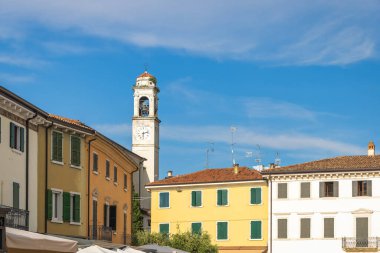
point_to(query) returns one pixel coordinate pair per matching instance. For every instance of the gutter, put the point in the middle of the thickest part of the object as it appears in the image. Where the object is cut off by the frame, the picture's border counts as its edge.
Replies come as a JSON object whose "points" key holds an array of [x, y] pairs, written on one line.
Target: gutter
{"points": [[46, 173], [88, 188], [27, 163]]}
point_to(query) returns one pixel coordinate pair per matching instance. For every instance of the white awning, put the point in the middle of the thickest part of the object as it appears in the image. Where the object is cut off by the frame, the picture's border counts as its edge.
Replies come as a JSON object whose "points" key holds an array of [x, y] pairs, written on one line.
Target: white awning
{"points": [[20, 239], [95, 249]]}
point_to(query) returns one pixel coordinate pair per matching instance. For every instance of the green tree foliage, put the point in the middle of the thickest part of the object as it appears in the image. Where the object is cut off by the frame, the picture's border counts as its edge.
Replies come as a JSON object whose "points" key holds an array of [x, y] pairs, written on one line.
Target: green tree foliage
{"points": [[137, 218], [200, 243]]}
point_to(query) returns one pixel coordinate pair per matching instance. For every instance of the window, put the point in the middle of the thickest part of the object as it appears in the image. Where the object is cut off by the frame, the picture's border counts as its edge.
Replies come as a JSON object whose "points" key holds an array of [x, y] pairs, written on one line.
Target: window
{"points": [[125, 181], [107, 169], [256, 230], [115, 174], [329, 227], [328, 189], [196, 198], [222, 230], [75, 208], [305, 190], [282, 191], [282, 228], [57, 142], [255, 196], [222, 196], [55, 205], [196, 228], [164, 228], [112, 219], [16, 195], [164, 199], [305, 228], [95, 162], [361, 188], [144, 107], [16, 137], [75, 151]]}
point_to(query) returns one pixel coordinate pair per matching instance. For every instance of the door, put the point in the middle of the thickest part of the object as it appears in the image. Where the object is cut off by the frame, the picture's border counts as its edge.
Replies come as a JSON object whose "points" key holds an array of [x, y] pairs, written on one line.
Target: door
{"points": [[362, 232], [95, 219]]}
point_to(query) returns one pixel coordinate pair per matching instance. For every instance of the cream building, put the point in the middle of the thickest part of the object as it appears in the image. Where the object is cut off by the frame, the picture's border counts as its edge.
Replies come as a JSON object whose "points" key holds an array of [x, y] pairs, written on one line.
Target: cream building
{"points": [[19, 123]]}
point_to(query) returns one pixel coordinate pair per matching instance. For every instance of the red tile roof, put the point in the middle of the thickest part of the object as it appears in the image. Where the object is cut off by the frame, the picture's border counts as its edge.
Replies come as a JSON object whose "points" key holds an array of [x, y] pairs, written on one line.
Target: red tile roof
{"points": [[145, 74], [336, 164], [211, 176], [73, 122]]}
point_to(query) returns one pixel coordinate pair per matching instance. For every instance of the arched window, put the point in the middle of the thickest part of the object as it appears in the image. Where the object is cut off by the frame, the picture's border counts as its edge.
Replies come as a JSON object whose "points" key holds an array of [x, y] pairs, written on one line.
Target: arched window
{"points": [[144, 107]]}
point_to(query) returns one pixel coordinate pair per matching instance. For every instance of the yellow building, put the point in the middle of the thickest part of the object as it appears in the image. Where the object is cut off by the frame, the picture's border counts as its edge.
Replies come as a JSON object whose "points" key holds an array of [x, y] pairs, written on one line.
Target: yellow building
{"points": [[230, 204], [62, 177], [111, 169]]}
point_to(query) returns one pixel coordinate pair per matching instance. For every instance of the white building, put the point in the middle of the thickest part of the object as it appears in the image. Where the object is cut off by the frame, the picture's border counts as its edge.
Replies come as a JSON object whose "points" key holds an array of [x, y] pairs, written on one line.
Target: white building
{"points": [[19, 122], [330, 205], [145, 138]]}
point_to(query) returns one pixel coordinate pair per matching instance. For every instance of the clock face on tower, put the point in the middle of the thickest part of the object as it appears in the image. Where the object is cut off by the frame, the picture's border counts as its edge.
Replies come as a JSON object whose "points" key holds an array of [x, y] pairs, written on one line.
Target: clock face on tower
{"points": [[142, 133]]}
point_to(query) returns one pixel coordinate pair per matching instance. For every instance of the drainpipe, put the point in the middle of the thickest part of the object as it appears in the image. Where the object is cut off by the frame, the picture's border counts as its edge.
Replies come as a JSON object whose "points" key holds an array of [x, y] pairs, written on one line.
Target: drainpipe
{"points": [[46, 172], [27, 163], [270, 213], [88, 189]]}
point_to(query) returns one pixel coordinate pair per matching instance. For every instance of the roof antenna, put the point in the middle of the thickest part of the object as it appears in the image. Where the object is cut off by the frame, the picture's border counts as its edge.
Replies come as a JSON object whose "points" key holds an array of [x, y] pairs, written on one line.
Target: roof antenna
{"points": [[277, 161], [258, 157], [233, 130], [210, 148], [146, 67]]}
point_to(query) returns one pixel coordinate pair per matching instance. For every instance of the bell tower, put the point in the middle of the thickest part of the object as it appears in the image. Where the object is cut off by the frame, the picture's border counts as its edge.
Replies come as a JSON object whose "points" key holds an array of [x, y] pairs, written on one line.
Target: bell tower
{"points": [[145, 134]]}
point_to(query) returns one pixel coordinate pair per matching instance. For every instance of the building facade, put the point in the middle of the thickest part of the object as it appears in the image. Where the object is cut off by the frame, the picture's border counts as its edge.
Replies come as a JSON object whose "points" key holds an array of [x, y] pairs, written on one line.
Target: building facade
{"points": [[19, 124], [229, 204], [330, 205], [145, 137], [111, 169], [62, 178]]}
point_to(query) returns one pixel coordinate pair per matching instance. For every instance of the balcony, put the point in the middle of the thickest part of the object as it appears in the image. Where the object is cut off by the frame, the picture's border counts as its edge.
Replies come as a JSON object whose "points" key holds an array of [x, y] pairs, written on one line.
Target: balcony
{"points": [[15, 218], [352, 244], [101, 232]]}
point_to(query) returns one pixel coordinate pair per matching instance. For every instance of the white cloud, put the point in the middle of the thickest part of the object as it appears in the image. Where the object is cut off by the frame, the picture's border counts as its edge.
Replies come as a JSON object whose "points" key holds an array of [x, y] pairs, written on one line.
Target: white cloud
{"points": [[66, 48], [21, 61], [278, 32], [16, 79]]}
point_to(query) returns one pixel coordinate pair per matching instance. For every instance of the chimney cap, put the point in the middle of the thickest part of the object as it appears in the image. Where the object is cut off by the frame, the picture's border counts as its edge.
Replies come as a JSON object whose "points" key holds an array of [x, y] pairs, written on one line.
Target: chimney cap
{"points": [[371, 148]]}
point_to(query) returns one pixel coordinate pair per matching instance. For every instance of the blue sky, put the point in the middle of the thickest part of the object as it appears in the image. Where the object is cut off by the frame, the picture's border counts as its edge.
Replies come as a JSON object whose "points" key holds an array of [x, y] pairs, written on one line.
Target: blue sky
{"points": [[297, 78]]}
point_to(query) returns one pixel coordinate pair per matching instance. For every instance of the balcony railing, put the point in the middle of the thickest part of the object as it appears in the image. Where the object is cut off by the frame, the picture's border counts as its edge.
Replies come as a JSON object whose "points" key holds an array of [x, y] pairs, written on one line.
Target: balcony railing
{"points": [[352, 244], [16, 218], [101, 232]]}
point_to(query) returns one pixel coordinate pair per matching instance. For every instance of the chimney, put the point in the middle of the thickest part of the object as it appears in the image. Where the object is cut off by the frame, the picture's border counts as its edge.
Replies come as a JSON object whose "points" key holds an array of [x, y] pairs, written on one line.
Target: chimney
{"points": [[272, 166], [236, 168], [371, 148], [170, 174]]}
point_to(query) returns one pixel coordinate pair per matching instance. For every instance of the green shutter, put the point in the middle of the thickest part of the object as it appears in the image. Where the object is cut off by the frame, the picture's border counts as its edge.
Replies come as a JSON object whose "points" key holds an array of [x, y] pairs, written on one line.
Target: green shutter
{"points": [[255, 229], [76, 208], [66, 206], [57, 147], [222, 197], [196, 228], [196, 198], [222, 231], [75, 151], [95, 162], [164, 228], [49, 204], [255, 196], [11, 135], [164, 199], [219, 196], [199, 198], [16, 195], [22, 139]]}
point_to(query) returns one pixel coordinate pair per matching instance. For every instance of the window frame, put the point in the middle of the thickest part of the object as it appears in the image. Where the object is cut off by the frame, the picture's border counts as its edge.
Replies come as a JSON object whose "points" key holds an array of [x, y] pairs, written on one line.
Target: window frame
{"points": [[278, 192], [159, 227], [309, 183], [261, 230], [108, 170], [115, 174], [196, 222], [309, 232], [217, 234], [17, 143], [72, 194], [125, 179], [71, 152], [93, 163], [368, 190], [52, 147], [159, 200], [261, 196], [324, 225], [191, 199], [287, 229], [228, 199], [59, 210]]}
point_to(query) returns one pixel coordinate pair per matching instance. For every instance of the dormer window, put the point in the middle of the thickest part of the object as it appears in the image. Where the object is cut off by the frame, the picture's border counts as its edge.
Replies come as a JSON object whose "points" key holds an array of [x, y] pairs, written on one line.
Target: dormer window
{"points": [[144, 107]]}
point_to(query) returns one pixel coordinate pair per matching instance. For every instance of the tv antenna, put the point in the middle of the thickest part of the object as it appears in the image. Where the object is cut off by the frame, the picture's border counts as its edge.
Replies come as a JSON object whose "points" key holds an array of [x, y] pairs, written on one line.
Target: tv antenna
{"points": [[146, 65], [210, 148], [258, 156], [277, 161], [233, 130]]}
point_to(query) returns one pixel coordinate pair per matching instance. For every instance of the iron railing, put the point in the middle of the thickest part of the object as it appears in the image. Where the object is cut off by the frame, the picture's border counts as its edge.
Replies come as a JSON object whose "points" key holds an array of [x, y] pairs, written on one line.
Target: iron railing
{"points": [[367, 243], [16, 218], [100, 232]]}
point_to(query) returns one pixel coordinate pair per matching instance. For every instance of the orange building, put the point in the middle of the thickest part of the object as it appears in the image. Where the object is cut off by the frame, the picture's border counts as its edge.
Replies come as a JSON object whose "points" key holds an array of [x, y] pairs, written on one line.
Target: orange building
{"points": [[110, 189]]}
